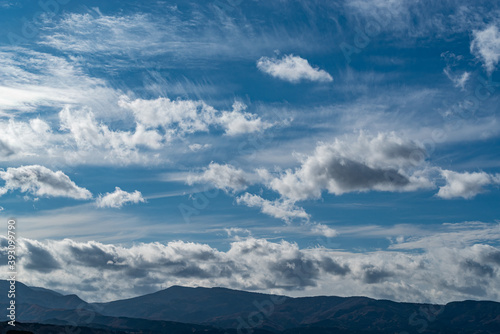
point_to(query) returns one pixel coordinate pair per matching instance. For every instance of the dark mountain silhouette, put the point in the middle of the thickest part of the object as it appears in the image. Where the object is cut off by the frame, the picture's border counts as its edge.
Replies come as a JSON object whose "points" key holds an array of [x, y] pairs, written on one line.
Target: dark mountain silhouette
{"points": [[232, 309], [219, 310], [41, 297]]}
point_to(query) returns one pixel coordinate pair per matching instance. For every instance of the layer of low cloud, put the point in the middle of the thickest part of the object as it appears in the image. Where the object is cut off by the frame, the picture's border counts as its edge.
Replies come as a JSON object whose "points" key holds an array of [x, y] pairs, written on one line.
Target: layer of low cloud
{"points": [[119, 198], [462, 266], [293, 69], [40, 181]]}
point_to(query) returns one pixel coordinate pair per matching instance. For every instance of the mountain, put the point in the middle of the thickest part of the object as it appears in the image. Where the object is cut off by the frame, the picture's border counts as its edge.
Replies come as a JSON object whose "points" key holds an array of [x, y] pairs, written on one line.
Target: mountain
{"points": [[238, 309], [225, 311], [41, 297]]}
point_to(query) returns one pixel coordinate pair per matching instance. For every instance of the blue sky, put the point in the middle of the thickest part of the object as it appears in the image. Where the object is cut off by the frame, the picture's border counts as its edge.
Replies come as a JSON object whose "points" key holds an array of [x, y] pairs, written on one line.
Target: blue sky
{"points": [[236, 143]]}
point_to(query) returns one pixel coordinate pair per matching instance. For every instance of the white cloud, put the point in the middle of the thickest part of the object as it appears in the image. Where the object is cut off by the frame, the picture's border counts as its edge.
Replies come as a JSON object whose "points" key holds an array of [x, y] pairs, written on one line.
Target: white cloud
{"points": [[384, 163], [29, 80], [293, 69], [464, 266], [465, 185], [226, 177], [119, 198], [486, 46], [238, 121], [91, 137], [459, 81], [324, 230], [41, 181], [281, 209], [105, 34], [199, 147], [180, 117]]}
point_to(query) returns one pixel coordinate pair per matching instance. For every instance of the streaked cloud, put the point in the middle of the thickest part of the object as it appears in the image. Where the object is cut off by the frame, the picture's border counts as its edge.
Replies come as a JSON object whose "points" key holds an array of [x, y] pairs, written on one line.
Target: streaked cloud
{"points": [[281, 209]]}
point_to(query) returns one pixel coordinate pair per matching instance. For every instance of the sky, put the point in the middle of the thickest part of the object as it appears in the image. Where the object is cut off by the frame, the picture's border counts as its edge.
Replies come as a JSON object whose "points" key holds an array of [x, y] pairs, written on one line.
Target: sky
{"points": [[296, 147]]}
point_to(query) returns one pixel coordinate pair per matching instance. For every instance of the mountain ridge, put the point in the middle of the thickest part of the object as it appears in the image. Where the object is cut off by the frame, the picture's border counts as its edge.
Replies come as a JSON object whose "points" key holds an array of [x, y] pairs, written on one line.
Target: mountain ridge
{"points": [[234, 309]]}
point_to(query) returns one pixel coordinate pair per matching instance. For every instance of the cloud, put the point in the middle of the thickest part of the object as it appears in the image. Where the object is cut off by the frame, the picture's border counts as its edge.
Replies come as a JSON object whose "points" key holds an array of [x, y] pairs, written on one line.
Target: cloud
{"points": [[465, 268], [465, 185], [41, 181], [119, 198], [225, 177], [486, 46], [293, 69], [30, 80], [199, 147], [238, 122], [181, 117], [384, 163], [107, 34], [324, 230], [89, 135], [459, 81], [281, 209]]}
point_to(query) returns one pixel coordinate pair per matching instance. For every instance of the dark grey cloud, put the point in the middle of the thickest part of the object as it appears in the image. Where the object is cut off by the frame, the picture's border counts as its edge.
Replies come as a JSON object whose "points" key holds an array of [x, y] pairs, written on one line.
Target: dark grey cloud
{"points": [[332, 267], [92, 256], [39, 259], [292, 274], [372, 275], [477, 268], [5, 149], [493, 257], [261, 265], [352, 175]]}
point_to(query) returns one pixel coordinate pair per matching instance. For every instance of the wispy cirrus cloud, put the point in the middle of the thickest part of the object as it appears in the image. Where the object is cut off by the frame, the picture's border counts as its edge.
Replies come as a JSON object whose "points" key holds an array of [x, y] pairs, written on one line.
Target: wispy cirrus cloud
{"points": [[486, 46], [31, 79]]}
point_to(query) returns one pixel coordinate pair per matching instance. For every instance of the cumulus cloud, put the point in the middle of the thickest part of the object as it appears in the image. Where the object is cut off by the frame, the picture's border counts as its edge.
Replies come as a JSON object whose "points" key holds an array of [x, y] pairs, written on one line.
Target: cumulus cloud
{"points": [[324, 230], [465, 185], [486, 46], [119, 198], [361, 163], [226, 177], [293, 69], [41, 181], [281, 209], [384, 162], [180, 117], [238, 121], [468, 271]]}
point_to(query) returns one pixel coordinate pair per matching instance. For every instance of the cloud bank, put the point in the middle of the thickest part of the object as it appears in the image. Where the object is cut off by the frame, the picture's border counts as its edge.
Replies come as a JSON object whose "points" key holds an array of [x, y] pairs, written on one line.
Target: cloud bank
{"points": [[454, 265]]}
